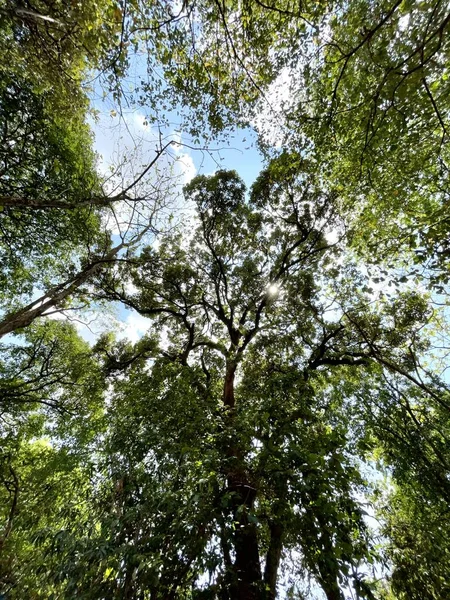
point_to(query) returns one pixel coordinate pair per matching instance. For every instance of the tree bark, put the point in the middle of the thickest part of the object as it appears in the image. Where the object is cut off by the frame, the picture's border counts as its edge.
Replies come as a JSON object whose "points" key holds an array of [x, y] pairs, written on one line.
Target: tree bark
{"points": [[273, 560], [228, 387], [246, 570], [12, 511], [331, 589], [328, 570]]}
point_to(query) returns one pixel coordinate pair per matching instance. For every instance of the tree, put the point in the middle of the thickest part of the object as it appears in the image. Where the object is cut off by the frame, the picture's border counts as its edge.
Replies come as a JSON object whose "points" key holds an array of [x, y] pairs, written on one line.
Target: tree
{"points": [[418, 548], [51, 390], [266, 347], [378, 100], [52, 44], [44, 158], [255, 347]]}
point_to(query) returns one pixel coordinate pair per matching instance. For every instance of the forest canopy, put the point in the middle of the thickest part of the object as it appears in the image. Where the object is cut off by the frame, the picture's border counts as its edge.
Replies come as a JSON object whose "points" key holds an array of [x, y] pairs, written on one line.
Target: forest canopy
{"points": [[279, 427]]}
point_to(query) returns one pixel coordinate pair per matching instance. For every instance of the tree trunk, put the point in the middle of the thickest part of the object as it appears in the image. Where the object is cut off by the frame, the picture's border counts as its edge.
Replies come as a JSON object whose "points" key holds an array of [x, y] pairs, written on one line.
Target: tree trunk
{"points": [[51, 299], [246, 568], [55, 296], [273, 560], [228, 387], [331, 589], [328, 569], [246, 571]]}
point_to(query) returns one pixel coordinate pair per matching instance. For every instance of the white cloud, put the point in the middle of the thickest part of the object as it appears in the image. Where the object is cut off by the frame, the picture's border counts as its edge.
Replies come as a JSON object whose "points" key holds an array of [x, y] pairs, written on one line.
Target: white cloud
{"points": [[139, 122], [185, 165], [130, 288], [134, 327], [92, 325]]}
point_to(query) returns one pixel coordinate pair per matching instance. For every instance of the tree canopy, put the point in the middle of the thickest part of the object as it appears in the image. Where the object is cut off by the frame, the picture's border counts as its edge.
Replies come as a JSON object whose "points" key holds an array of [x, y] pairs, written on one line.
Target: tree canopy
{"points": [[281, 430]]}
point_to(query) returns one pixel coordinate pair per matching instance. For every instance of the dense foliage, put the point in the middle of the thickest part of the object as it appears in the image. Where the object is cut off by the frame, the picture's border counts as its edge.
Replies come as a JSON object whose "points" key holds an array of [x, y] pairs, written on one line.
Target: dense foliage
{"points": [[282, 428]]}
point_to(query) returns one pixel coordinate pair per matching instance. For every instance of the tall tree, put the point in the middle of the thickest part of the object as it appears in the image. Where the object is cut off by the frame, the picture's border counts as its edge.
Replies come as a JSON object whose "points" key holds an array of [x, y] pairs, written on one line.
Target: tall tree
{"points": [[248, 316]]}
